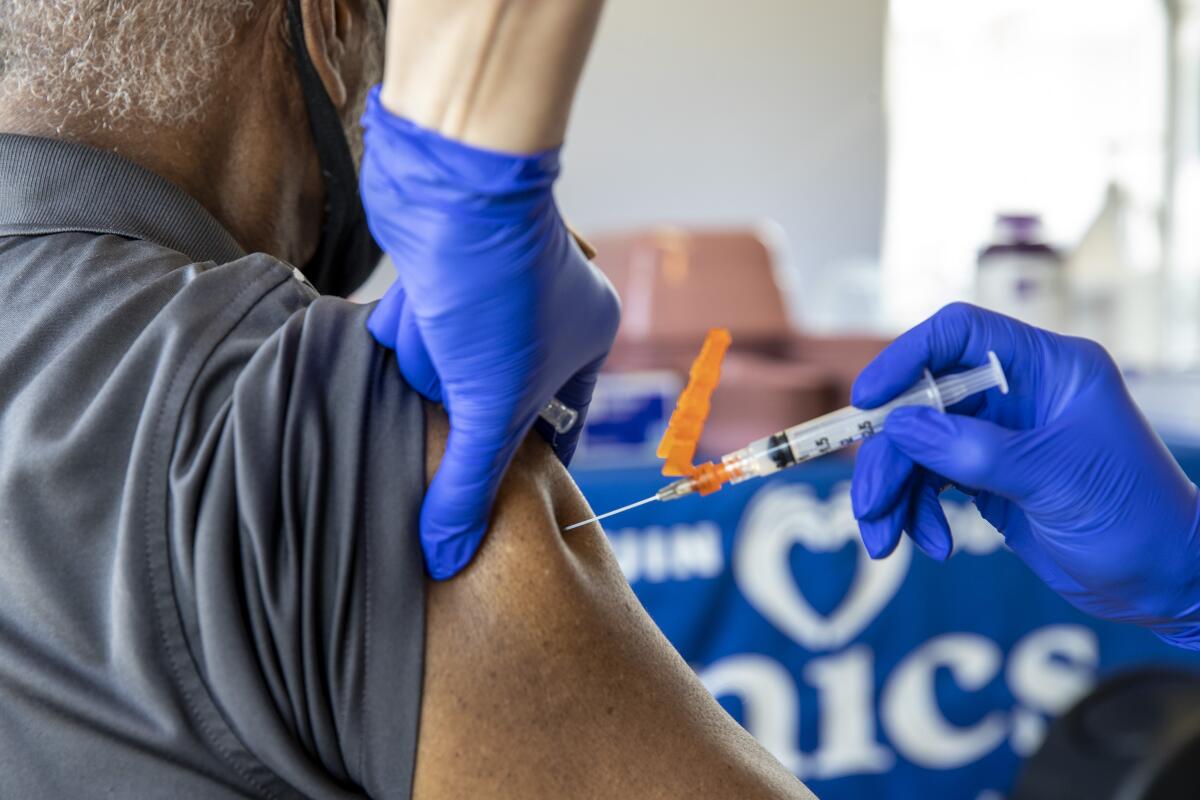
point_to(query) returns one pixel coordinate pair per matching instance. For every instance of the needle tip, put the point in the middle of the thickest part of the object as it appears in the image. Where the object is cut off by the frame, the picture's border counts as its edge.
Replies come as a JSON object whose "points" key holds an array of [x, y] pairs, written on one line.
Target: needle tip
{"points": [[649, 499]]}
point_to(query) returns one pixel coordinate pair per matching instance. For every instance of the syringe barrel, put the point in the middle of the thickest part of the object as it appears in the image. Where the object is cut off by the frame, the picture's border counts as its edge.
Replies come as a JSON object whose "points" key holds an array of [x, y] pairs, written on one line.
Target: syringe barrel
{"points": [[844, 427], [826, 434]]}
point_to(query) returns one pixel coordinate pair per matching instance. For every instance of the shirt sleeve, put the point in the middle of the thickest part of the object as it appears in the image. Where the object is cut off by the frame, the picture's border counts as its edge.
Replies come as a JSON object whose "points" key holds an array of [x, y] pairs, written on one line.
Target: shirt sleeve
{"points": [[296, 486]]}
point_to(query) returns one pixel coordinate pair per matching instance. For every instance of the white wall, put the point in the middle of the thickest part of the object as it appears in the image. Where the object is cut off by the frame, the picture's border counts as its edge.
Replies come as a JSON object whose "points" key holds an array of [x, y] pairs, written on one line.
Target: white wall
{"points": [[715, 111]]}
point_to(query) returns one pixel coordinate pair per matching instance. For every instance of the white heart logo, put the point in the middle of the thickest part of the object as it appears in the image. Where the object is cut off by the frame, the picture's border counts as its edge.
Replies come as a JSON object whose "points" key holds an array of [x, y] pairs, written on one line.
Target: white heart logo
{"points": [[784, 515]]}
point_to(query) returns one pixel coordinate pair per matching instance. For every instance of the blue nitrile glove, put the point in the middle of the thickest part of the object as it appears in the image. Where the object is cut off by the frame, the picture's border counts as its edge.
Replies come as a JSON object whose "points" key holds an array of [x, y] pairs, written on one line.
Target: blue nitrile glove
{"points": [[495, 310], [1065, 466]]}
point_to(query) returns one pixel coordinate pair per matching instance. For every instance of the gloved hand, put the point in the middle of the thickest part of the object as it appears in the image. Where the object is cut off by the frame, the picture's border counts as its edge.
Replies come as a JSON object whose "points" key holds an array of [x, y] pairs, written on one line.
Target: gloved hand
{"points": [[495, 310], [1065, 466]]}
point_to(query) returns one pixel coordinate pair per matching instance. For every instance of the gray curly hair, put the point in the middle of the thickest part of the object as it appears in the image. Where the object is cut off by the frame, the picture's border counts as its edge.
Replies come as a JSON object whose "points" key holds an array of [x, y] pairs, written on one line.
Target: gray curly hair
{"points": [[116, 59]]}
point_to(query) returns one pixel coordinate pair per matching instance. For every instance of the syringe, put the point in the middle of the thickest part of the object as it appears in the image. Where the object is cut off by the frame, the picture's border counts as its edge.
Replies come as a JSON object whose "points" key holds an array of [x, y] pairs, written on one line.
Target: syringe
{"points": [[825, 434]]}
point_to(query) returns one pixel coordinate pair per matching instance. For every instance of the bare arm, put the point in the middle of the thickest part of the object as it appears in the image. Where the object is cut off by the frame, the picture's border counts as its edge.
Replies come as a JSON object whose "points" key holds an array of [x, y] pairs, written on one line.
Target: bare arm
{"points": [[545, 677], [498, 74]]}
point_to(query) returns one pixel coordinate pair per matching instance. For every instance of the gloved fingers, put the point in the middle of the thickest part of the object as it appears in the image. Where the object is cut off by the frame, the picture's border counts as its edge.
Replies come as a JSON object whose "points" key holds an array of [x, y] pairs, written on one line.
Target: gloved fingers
{"points": [[969, 451], [881, 475], [959, 335], [457, 507], [881, 534], [927, 524], [384, 322]]}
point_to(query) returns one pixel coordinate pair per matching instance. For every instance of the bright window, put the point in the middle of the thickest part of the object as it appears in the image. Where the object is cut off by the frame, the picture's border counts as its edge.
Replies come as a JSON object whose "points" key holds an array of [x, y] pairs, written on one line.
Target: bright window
{"points": [[1016, 105]]}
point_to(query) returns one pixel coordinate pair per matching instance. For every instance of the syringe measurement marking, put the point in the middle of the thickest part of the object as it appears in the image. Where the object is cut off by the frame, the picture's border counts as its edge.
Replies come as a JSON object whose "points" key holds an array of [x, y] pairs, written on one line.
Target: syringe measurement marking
{"points": [[822, 445]]}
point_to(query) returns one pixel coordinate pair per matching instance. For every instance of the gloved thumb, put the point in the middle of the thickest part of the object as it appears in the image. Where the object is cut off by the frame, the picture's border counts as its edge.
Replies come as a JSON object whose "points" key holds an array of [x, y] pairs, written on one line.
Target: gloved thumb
{"points": [[971, 452], [457, 507]]}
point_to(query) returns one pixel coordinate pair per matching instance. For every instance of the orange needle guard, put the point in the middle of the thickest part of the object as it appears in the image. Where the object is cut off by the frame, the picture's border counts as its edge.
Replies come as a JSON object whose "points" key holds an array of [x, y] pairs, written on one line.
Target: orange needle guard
{"points": [[678, 445]]}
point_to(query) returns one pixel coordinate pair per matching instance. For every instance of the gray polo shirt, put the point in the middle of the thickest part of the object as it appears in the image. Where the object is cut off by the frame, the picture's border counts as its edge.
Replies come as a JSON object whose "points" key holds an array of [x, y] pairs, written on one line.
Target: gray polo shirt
{"points": [[210, 580]]}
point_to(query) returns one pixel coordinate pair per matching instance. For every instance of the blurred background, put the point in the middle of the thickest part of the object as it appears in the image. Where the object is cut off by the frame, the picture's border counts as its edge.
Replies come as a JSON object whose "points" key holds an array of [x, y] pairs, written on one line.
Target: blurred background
{"points": [[817, 176], [880, 142], [712, 113]]}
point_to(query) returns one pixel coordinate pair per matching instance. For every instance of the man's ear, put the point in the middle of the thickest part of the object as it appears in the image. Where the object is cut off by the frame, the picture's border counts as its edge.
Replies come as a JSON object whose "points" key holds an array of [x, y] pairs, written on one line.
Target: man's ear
{"points": [[327, 29]]}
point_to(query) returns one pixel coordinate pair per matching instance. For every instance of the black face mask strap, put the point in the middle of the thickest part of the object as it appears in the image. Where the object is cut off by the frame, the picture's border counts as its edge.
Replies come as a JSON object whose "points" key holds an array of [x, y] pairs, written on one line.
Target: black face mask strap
{"points": [[346, 253]]}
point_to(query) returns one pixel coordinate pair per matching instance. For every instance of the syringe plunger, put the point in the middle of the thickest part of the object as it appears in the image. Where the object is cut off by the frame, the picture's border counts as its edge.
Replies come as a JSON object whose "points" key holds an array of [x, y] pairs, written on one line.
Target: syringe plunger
{"points": [[958, 387]]}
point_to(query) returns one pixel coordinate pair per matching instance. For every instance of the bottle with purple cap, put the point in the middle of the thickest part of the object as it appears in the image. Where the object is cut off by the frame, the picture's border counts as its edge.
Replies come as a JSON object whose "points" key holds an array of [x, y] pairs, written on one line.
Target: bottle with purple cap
{"points": [[1020, 275]]}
